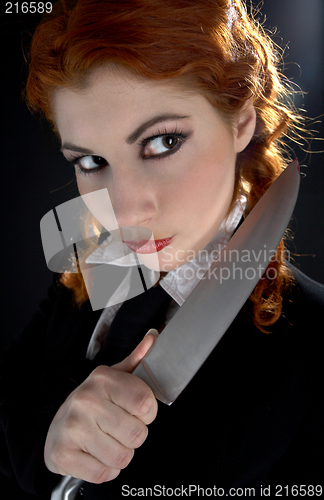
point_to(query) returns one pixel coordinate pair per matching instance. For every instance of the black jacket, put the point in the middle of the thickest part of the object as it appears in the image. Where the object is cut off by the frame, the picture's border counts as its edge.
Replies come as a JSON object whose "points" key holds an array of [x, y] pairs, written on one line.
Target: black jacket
{"points": [[253, 415]]}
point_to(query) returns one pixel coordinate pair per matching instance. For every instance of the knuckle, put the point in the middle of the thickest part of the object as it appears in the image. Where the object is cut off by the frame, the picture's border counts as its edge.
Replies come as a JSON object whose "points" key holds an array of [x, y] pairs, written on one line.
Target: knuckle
{"points": [[69, 425], [138, 435], [144, 401], [100, 372], [96, 381], [82, 398], [123, 458], [112, 381], [104, 474], [70, 431], [153, 413], [85, 402]]}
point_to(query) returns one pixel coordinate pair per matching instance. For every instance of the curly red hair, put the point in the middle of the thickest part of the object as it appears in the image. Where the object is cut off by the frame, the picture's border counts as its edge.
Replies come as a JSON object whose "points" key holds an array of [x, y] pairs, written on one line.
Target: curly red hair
{"points": [[212, 46]]}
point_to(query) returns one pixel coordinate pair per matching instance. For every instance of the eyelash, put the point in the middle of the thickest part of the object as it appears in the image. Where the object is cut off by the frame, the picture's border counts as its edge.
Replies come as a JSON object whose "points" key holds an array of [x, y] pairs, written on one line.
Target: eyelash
{"points": [[179, 134], [74, 162]]}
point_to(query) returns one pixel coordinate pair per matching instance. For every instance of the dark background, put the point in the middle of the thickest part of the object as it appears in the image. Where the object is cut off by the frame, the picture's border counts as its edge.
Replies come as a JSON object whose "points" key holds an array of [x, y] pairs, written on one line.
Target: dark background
{"points": [[34, 177]]}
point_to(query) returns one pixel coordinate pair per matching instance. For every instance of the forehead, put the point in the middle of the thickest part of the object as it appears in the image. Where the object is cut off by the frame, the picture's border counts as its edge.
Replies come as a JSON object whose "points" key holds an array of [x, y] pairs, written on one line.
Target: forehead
{"points": [[115, 94]]}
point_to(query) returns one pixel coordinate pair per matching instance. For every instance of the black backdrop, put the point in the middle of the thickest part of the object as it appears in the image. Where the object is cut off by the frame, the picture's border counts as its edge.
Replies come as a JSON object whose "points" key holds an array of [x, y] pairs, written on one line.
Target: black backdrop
{"points": [[34, 178]]}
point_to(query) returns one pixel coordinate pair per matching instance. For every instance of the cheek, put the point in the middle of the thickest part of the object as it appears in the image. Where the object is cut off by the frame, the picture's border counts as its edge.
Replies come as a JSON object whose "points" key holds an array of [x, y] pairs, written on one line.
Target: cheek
{"points": [[219, 179], [86, 184], [92, 182], [206, 181], [217, 169]]}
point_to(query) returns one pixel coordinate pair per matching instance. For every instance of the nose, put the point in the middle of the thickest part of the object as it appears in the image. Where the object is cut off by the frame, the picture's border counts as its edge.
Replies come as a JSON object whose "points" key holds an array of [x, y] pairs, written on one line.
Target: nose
{"points": [[132, 197]]}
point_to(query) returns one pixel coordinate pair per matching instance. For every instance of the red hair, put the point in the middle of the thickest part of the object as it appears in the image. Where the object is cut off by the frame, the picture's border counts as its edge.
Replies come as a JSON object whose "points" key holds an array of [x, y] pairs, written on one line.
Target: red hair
{"points": [[213, 47]]}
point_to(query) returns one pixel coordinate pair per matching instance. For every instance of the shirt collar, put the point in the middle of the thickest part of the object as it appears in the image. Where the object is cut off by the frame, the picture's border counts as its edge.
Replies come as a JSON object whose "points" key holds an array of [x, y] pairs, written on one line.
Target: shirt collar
{"points": [[180, 282]]}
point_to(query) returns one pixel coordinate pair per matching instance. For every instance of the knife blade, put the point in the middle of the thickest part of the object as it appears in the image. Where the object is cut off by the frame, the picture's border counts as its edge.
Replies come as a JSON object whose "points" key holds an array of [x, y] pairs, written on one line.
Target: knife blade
{"points": [[206, 314]]}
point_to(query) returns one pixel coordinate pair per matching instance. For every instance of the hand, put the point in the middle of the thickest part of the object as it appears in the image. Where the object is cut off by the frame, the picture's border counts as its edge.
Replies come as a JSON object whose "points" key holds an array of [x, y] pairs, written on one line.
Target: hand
{"points": [[96, 430]]}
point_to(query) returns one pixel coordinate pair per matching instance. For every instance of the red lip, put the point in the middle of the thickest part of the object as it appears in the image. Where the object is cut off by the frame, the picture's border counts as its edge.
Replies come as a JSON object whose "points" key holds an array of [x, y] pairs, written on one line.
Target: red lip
{"points": [[150, 246]]}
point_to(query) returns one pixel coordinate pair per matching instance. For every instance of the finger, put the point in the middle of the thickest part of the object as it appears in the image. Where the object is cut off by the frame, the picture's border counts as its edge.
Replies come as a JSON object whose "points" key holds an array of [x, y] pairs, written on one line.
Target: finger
{"points": [[127, 391], [129, 364], [86, 467], [127, 429], [106, 449]]}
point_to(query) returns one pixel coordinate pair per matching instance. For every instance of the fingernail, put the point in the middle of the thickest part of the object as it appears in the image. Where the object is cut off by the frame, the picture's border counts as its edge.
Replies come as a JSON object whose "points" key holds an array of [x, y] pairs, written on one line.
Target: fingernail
{"points": [[152, 331]]}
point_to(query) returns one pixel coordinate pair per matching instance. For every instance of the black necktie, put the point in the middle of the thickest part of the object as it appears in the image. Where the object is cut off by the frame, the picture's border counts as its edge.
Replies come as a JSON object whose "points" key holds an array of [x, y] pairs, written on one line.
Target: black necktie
{"points": [[132, 321]]}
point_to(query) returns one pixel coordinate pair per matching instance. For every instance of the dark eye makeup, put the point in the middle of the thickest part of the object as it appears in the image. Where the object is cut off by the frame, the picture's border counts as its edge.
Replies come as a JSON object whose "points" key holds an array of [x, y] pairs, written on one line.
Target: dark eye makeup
{"points": [[87, 164], [151, 148], [155, 147]]}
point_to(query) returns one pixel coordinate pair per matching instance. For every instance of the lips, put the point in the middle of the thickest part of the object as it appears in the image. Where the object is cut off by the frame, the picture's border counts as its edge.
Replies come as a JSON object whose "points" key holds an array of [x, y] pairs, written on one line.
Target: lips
{"points": [[151, 246]]}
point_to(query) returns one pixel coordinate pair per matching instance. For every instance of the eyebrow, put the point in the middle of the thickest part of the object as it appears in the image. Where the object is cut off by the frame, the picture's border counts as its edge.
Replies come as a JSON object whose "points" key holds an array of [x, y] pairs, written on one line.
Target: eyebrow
{"points": [[153, 121], [133, 137], [73, 147]]}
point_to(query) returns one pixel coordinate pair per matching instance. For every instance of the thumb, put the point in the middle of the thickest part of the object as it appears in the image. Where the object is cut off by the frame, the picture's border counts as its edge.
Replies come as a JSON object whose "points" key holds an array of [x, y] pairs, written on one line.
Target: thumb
{"points": [[129, 364]]}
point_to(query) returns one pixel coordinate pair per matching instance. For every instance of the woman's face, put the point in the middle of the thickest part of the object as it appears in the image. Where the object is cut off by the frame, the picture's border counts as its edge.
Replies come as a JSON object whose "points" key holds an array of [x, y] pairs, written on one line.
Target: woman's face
{"points": [[165, 155]]}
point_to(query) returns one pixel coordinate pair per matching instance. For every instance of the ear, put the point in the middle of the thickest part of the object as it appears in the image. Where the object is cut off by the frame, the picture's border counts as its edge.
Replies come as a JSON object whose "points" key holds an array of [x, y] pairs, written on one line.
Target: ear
{"points": [[245, 126]]}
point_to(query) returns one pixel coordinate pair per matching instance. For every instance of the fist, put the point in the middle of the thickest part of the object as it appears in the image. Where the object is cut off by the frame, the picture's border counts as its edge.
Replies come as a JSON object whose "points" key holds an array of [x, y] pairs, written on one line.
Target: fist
{"points": [[96, 430]]}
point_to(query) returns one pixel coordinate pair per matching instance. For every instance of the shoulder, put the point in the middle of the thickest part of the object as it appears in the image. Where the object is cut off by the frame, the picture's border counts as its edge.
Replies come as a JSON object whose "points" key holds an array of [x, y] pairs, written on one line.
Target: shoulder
{"points": [[302, 313], [306, 292]]}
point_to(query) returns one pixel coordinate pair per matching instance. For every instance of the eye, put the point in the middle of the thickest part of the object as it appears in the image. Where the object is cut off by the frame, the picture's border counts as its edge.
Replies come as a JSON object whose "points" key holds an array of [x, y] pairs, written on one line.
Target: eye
{"points": [[89, 164], [162, 145]]}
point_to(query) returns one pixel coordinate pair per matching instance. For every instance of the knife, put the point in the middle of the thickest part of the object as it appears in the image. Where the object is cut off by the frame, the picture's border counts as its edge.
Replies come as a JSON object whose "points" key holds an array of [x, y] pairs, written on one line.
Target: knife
{"points": [[202, 320]]}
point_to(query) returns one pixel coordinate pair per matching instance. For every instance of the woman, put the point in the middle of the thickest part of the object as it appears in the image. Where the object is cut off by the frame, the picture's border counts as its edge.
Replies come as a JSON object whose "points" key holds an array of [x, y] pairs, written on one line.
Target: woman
{"points": [[194, 85]]}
